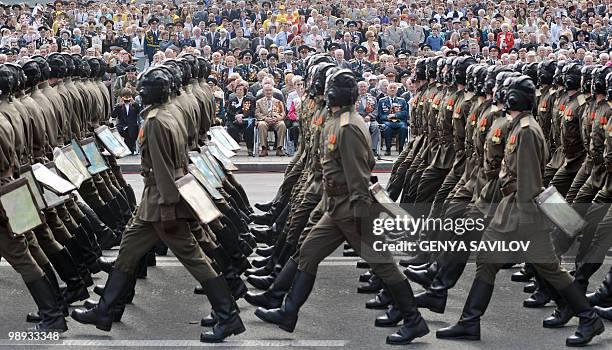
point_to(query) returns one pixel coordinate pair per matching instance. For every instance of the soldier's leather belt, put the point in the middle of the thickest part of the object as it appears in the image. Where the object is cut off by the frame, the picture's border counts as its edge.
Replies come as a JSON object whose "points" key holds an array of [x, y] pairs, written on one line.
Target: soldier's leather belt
{"points": [[509, 189], [335, 191], [149, 178]]}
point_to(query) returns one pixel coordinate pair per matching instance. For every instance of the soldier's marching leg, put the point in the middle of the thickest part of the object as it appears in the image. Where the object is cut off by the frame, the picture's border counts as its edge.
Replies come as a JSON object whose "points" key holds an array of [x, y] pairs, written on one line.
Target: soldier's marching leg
{"points": [[137, 241], [542, 255], [73, 245], [602, 296], [105, 236], [16, 252]]}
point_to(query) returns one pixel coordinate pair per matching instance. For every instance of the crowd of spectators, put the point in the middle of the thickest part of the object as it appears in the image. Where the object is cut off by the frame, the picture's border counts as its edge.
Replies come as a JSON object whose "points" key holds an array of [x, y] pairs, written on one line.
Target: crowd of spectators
{"points": [[256, 47]]}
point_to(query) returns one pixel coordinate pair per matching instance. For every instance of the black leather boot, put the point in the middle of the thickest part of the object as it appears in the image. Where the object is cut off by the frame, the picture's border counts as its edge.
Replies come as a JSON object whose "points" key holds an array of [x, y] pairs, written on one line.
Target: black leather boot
{"points": [[273, 297], [224, 306], [286, 316], [105, 265], [603, 295], [250, 239], [264, 234], [589, 325], [34, 317], [391, 318], [414, 325], [563, 312], [131, 197], [524, 275], [536, 300], [77, 255], [419, 259], [435, 301], [361, 264], [259, 263], [118, 309], [468, 326], [373, 286], [87, 251], [265, 251], [49, 309], [264, 206], [381, 301], [263, 219], [108, 217], [224, 263], [101, 316], [118, 214], [364, 277], [141, 269], [422, 277], [76, 290], [104, 235], [604, 312], [530, 288]]}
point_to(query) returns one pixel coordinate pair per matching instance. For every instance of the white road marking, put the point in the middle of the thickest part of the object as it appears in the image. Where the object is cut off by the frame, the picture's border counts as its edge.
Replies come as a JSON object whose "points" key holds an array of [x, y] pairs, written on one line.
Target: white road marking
{"points": [[179, 343]]}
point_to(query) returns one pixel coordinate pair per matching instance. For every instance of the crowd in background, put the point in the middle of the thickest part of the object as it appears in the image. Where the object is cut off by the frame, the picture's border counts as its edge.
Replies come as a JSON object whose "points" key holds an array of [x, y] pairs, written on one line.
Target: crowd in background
{"points": [[256, 47]]}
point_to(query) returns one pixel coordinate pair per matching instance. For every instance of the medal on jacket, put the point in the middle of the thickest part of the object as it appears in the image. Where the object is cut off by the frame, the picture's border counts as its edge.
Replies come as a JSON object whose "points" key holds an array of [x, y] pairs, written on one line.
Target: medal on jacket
{"points": [[436, 103], [496, 137], [473, 119], [603, 121], [422, 100], [562, 107], [141, 136], [543, 106], [450, 104], [457, 112], [483, 124], [512, 143], [331, 142], [569, 115]]}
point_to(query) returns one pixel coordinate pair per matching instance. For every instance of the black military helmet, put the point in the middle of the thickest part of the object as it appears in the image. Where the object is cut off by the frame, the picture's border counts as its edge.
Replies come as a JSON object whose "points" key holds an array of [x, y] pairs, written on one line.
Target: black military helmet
{"points": [[20, 78], [314, 61], [469, 78], [518, 66], [154, 86], [193, 63], [319, 75], [447, 70], [480, 75], [204, 68], [341, 89], [432, 67], [103, 68], [599, 74], [520, 94], [420, 69], [499, 92], [45, 71], [186, 69], [85, 69], [558, 76], [492, 72], [608, 84], [94, 66], [31, 71], [586, 76], [175, 83], [69, 64], [546, 72], [7, 80], [531, 70], [572, 76], [459, 69], [177, 73], [77, 61], [57, 65]]}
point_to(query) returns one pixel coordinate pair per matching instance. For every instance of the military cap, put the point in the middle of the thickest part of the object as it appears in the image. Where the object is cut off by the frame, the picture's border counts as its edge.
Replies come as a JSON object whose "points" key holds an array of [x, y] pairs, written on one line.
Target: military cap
{"points": [[351, 23], [153, 19], [131, 68], [494, 47], [303, 47], [212, 80], [383, 52], [424, 46], [564, 38], [245, 53], [339, 21], [272, 55], [333, 46], [115, 48], [359, 48]]}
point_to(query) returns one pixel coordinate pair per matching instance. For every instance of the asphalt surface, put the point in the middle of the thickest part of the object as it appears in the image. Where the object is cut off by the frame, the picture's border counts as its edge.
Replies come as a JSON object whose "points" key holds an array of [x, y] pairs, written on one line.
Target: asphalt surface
{"points": [[166, 313]]}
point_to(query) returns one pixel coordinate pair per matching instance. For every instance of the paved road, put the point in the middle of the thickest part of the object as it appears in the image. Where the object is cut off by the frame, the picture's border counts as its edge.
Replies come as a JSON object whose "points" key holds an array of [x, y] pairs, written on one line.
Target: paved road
{"points": [[166, 313]]}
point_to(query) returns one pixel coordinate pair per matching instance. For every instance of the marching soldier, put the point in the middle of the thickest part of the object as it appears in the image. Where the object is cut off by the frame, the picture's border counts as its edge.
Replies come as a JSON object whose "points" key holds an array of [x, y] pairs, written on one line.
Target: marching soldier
{"points": [[163, 161], [516, 214], [347, 161]]}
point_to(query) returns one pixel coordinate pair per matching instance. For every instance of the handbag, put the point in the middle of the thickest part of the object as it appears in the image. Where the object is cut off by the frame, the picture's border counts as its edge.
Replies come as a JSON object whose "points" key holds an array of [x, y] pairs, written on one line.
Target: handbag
{"points": [[292, 115]]}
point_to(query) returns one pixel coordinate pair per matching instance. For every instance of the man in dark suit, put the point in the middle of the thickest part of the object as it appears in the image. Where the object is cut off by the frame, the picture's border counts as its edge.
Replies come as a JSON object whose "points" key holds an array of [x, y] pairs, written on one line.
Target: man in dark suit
{"points": [[211, 35], [347, 46], [261, 41], [127, 113]]}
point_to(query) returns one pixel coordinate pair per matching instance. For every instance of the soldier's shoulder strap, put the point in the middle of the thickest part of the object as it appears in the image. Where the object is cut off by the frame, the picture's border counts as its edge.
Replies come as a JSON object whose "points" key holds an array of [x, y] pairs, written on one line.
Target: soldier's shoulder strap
{"points": [[524, 122], [581, 99], [345, 118]]}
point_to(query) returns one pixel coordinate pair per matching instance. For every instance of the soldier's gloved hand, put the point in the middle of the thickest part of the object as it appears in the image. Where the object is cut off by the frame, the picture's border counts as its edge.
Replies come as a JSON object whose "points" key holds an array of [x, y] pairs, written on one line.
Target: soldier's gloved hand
{"points": [[170, 226]]}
